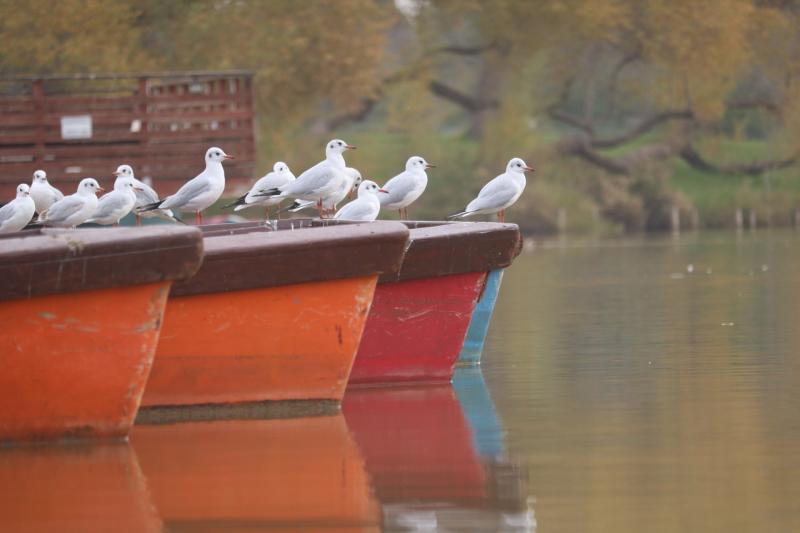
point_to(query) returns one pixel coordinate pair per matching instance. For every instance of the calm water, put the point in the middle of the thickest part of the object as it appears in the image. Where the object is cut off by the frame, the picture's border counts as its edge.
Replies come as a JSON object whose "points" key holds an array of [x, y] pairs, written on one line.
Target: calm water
{"points": [[627, 386]]}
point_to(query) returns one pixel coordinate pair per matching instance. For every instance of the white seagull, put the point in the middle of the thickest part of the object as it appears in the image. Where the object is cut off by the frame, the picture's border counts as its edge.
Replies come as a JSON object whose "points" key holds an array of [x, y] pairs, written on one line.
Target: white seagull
{"points": [[500, 193], [406, 187], [145, 195], [114, 206], [366, 207], [44, 195], [74, 209], [319, 181], [280, 176], [16, 214], [199, 192], [353, 179]]}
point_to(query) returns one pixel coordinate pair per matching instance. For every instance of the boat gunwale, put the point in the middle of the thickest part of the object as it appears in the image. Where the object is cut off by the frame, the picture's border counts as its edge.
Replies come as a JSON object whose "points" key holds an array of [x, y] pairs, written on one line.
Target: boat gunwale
{"points": [[43, 262]]}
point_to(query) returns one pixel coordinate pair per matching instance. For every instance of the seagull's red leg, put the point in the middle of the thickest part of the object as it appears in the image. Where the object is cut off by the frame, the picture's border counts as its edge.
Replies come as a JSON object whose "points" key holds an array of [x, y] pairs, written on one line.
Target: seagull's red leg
{"points": [[319, 208], [198, 218], [406, 211], [138, 219], [400, 211]]}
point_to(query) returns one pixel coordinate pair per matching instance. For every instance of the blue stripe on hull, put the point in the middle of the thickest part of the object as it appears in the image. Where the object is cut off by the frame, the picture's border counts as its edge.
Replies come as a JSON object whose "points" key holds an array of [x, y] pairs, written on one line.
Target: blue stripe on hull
{"points": [[481, 317]]}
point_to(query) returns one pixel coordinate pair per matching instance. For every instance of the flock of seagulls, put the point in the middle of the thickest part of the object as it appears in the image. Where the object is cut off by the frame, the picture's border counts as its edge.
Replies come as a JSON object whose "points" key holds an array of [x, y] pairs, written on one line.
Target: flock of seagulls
{"points": [[324, 186]]}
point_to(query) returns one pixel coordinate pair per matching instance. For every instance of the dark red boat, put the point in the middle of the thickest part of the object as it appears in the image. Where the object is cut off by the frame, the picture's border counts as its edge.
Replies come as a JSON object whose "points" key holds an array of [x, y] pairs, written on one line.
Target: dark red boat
{"points": [[419, 316], [81, 311]]}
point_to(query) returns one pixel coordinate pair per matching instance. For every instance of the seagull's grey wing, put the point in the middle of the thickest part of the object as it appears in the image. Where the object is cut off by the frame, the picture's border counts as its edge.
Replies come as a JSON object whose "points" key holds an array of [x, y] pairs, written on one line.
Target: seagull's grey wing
{"points": [[58, 194], [63, 209], [357, 210], [312, 181], [399, 187], [109, 204], [7, 211], [146, 196], [500, 193], [190, 190]]}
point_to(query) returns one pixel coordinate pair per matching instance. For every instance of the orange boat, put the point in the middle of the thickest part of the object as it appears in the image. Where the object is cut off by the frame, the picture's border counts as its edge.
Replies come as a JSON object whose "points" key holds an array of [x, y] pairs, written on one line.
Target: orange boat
{"points": [[302, 474], [81, 313], [274, 316], [87, 487]]}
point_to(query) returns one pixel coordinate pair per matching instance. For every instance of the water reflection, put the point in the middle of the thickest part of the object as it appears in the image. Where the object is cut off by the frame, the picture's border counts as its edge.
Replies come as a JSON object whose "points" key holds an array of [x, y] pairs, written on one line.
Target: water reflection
{"points": [[297, 474], [437, 463], [74, 487]]}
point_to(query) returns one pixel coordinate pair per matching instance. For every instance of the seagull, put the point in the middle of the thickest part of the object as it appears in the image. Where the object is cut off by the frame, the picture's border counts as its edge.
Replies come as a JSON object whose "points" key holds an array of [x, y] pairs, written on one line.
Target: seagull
{"points": [[44, 195], [145, 195], [319, 181], [353, 179], [199, 192], [366, 207], [280, 175], [407, 186], [500, 193], [16, 214], [74, 209], [114, 206]]}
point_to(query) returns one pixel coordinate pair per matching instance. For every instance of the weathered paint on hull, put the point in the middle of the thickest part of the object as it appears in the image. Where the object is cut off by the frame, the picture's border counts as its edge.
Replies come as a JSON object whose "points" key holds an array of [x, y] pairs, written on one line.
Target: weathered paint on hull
{"points": [[278, 475], [75, 364], [86, 487], [292, 342], [416, 443], [415, 329], [481, 317]]}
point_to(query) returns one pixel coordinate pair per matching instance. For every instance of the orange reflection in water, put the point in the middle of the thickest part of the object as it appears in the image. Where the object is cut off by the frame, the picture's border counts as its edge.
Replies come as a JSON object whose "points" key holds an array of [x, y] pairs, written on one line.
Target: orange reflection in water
{"points": [[74, 487], [257, 474]]}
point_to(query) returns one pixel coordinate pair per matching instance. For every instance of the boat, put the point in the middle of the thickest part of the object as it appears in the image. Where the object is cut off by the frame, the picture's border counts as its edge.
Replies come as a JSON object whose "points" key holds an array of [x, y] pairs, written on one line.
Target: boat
{"points": [[81, 313], [296, 474], [481, 318], [270, 324], [420, 314]]}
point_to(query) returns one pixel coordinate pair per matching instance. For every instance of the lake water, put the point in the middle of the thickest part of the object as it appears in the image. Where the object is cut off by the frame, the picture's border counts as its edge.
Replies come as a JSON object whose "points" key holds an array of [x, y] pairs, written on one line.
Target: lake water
{"points": [[648, 384]]}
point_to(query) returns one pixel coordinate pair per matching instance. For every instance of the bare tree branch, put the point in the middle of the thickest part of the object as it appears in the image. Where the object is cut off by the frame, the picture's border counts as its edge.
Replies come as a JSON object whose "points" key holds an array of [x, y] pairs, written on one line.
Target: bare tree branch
{"points": [[645, 126], [463, 50], [697, 161], [459, 98]]}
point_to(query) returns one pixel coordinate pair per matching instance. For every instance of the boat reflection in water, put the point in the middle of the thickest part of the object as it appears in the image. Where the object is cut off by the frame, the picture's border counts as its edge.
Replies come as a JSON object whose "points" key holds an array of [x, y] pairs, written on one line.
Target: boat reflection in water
{"points": [[251, 475], [75, 487], [437, 459]]}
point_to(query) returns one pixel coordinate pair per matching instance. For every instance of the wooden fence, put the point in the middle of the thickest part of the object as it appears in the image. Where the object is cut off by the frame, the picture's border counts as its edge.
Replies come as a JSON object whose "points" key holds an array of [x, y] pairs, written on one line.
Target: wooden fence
{"points": [[160, 124]]}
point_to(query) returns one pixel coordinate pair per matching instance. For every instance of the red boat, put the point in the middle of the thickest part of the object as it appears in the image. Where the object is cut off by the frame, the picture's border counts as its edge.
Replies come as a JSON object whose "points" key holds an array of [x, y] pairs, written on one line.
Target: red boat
{"points": [[419, 316], [81, 313], [273, 317]]}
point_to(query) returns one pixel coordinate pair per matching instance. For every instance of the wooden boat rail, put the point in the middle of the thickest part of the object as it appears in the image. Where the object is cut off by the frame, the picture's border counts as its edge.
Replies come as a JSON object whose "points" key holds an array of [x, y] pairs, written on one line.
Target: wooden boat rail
{"points": [[255, 255], [53, 261]]}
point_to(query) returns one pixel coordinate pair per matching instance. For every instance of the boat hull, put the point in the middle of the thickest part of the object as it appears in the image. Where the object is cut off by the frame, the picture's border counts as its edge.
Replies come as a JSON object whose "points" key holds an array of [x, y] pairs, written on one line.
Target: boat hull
{"points": [[415, 329], [75, 365], [481, 318], [270, 344]]}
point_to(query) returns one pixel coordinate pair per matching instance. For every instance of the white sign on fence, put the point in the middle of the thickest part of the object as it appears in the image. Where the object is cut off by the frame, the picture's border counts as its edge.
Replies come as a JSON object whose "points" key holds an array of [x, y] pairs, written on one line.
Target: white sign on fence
{"points": [[76, 127]]}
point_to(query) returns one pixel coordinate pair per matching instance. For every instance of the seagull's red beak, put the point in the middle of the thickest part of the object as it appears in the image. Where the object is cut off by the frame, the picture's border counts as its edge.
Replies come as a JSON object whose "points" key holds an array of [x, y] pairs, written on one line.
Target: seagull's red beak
{"points": [[228, 157], [428, 165], [116, 173], [383, 190], [349, 146], [101, 189], [528, 169]]}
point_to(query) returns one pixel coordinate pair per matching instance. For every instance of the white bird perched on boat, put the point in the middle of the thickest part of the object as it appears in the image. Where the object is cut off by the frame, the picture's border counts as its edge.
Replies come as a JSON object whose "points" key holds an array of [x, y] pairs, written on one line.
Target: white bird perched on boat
{"points": [[366, 207], [280, 176], [319, 181], [114, 206], [353, 179], [500, 193], [74, 209], [406, 187], [16, 214], [200, 192], [44, 195], [145, 195]]}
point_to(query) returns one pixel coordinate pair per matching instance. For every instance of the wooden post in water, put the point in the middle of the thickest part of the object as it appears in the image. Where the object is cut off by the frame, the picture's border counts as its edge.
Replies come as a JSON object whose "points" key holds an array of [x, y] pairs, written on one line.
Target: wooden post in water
{"points": [[561, 220], [675, 219], [695, 219], [739, 219], [797, 218], [753, 219]]}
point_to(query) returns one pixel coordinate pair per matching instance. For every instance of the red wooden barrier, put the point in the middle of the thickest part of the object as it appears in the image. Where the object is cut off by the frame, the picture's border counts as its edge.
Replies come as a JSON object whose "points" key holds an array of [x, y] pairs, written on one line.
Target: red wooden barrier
{"points": [[161, 124]]}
